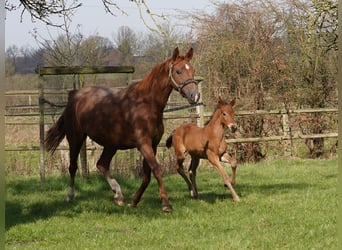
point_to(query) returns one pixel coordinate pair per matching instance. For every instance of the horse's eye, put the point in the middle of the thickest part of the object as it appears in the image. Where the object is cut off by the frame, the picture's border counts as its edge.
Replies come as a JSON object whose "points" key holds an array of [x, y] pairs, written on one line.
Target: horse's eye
{"points": [[178, 71], [224, 114]]}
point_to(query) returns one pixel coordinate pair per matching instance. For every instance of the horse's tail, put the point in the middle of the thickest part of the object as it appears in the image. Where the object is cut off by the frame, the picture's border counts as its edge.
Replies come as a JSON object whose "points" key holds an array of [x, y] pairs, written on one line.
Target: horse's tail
{"points": [[55, 135], [168, 141]]}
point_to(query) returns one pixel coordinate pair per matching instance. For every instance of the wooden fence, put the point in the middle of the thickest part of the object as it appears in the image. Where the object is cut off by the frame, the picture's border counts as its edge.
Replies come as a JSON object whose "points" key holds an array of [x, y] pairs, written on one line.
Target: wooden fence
{"points": [[31, 111]]}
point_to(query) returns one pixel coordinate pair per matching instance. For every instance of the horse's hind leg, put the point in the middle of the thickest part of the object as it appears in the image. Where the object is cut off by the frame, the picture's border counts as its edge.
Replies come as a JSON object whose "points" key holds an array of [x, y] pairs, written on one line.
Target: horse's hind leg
{"points": [[74, 150], [192, 173], [103, 166]]}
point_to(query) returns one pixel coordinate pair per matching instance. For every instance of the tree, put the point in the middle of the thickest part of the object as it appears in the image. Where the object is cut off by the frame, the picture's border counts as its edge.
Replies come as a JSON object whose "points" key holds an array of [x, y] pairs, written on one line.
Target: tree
{"points": [[270, 55], [48, 10], [126, 44], [241, 56], [160, 46], [12, 53]]}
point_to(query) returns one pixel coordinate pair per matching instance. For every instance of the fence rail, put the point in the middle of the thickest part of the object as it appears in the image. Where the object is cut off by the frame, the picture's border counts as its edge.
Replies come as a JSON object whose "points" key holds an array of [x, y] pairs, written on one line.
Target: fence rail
{"points": [[40, 111], [206, 114]]}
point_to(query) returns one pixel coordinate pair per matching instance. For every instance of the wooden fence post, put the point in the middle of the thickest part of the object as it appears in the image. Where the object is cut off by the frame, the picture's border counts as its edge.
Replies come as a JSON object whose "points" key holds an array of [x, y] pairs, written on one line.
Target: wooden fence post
{"points": [[288, 150], [41, 132], [132, 154], [199, 108]]}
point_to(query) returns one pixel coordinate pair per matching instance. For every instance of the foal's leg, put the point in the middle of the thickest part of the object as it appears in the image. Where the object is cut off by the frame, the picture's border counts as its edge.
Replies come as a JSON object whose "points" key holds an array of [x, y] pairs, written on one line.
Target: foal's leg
{"points": [[149, 156], [103, 166], [180, 155], [233, 163], [181, 172], [214, 159], [192, 173]]}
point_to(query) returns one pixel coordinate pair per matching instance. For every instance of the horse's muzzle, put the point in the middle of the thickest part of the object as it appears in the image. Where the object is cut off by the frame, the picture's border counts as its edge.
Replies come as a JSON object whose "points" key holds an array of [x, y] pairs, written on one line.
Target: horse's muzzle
{"points": [[189, 90], [192, 96]]}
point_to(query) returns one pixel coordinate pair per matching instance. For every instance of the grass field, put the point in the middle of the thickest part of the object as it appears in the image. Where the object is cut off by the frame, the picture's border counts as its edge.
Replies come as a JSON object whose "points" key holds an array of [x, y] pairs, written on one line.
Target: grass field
{"points": [[284, 205]]}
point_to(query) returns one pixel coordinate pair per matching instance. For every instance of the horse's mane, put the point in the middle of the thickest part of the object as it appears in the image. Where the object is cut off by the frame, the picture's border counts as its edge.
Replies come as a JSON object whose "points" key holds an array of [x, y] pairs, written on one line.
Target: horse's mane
{"points": [[146, 83], [158, 70]]}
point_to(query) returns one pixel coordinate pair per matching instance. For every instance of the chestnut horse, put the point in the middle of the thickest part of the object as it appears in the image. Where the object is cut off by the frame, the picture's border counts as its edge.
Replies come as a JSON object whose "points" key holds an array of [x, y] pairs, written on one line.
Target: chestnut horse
{"points": [[124, 119], [206, 143]]}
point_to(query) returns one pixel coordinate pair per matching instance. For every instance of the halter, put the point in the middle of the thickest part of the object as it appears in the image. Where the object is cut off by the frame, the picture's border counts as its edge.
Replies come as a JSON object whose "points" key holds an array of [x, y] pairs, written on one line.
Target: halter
{"points": [[179, 87]]}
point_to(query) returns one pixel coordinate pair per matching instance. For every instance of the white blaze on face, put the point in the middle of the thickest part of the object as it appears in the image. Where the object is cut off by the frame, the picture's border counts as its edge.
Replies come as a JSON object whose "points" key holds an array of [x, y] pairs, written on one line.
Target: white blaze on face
{"points": [[187, 67]]}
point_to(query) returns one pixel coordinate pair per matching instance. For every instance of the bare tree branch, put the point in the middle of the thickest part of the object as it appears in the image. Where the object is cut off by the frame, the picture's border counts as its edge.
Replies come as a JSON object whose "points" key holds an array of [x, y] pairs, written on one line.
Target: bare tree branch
{"points": [[46, 10]]}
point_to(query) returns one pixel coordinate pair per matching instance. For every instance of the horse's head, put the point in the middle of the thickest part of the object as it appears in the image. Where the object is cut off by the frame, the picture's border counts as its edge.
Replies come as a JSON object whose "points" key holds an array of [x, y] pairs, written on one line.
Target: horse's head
{"points": [[227, 114], [181, 74]]}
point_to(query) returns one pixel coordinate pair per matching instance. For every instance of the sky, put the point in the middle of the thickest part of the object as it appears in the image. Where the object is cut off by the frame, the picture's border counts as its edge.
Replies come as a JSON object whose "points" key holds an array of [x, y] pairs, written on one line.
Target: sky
{"points": [[95, 21]]}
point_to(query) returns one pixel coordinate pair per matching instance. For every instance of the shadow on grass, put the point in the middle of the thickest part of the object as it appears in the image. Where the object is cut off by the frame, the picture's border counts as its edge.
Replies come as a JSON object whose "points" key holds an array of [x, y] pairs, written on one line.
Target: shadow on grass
{"points": [[28, 202], [275, 188], [244, 190]]}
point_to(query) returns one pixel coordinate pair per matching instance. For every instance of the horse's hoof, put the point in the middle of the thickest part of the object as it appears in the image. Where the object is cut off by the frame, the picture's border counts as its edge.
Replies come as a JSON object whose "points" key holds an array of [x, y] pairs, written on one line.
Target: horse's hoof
{"points": [[193, 195], [132, 205], [167, 208], [69, 199]]}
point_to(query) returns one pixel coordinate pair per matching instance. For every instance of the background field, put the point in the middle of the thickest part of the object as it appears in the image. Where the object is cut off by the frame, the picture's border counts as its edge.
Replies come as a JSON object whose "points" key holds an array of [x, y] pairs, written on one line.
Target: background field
{"points": [[284, 205]]}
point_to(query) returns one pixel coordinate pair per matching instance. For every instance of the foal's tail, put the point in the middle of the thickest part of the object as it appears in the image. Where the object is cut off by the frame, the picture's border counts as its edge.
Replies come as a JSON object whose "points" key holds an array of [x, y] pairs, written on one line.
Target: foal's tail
{"points": [[55, 135], [168, 141]]}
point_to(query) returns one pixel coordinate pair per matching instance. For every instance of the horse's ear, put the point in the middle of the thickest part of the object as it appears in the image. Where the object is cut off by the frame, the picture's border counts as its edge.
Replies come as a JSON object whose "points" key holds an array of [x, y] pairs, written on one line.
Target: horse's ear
{"points": [[175, 54], [232, 102], [189, 54]]}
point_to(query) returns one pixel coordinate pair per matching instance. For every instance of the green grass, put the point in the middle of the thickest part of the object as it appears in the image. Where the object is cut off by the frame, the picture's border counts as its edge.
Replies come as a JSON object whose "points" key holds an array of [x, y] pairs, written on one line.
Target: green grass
{"points": [[284, 205]]}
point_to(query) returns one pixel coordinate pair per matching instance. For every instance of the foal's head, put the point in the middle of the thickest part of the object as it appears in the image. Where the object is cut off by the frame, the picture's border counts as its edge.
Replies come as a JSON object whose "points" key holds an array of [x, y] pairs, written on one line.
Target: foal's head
{"points": [[227, 114], [181, 74]]}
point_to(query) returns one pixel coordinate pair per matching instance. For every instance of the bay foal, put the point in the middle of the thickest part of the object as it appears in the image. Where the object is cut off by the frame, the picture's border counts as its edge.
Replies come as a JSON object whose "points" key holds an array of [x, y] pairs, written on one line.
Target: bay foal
{"points": [[206, 143]]}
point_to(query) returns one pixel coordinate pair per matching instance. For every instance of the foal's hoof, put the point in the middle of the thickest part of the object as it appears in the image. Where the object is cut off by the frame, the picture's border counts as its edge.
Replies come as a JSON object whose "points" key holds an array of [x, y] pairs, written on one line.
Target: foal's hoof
{"points": [[119, 202], [167, 208], [236, 199]]}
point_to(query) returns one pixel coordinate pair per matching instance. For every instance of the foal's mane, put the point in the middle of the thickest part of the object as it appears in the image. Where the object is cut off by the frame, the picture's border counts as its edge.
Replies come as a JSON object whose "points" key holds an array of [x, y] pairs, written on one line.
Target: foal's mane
{"points": [[216, 108]]}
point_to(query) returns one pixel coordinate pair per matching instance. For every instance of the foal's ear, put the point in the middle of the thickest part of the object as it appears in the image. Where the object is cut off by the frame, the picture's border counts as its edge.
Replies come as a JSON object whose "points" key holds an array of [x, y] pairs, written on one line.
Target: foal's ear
{"points": [[220, 102], [189, 54], [175, 54], [232, 102]]}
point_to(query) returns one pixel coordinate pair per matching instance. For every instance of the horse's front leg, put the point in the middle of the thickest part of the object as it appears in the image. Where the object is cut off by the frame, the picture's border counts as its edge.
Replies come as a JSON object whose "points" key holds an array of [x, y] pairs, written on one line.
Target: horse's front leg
{"points": [[149, 156], [232, 162], [103, 166], [146, 178], [214, 159]]}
